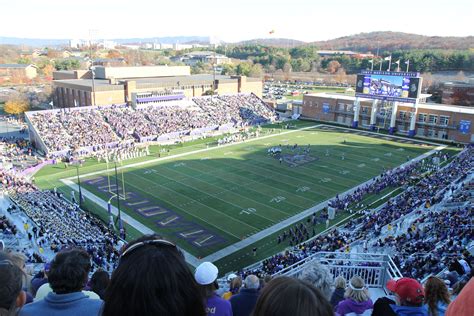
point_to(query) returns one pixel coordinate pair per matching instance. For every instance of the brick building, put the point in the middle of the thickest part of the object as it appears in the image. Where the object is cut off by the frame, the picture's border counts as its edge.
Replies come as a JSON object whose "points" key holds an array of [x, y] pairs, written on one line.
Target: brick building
{"points": [[114, 85], [424, 120]]}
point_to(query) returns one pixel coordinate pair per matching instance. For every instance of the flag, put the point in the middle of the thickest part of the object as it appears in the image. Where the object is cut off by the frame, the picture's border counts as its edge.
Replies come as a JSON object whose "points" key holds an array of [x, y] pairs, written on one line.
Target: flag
{"points": [[388, 58], [407, 62], [371, 61], [398, 62]]}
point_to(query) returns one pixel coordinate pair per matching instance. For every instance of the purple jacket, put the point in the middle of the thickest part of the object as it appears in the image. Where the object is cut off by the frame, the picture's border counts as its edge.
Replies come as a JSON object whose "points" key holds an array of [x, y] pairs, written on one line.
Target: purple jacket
{"points": [[217, 306], [350, 307]]}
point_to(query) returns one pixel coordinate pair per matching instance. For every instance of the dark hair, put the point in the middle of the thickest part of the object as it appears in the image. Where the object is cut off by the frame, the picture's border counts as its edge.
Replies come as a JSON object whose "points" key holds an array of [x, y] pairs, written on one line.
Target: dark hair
{"points": [[99, 282], [152, 278], [288, 296], [69, 271], [11, 280]]}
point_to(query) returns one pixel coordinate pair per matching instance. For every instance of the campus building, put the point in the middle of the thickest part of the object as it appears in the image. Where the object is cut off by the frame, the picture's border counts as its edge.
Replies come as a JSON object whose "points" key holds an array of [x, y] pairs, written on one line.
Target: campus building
{"points": [[118, 85], [7, 71], [424, 120]]}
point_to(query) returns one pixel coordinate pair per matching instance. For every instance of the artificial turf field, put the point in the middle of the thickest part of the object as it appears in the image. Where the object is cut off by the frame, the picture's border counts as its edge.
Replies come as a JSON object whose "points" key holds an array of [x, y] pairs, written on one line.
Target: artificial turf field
{"points": [[207, 200]]}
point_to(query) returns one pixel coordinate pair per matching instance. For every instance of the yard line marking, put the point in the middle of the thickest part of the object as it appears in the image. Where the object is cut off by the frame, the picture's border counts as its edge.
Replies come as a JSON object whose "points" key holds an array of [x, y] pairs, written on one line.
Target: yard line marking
{"points": [[137, 203], [197, 151]]}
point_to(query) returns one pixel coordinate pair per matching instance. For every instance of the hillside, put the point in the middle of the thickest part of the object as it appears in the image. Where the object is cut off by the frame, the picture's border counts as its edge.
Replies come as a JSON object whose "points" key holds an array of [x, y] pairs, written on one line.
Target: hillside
{"points": [[365, 42]]}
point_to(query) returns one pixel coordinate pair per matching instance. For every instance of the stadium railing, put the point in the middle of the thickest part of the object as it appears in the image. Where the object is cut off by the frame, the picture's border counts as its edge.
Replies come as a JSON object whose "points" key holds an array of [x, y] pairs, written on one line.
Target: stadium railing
{"points": [[374, 269]]}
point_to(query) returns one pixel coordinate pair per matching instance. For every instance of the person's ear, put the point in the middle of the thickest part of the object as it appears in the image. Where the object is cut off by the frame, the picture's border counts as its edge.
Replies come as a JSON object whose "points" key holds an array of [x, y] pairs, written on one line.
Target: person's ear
{"points": [[21, 299]]}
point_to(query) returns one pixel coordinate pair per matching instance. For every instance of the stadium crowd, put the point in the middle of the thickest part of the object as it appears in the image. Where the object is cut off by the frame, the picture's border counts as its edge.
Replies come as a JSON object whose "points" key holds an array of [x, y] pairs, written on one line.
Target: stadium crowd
{"points": [[152, 278], [433, 251], [73, 130]]}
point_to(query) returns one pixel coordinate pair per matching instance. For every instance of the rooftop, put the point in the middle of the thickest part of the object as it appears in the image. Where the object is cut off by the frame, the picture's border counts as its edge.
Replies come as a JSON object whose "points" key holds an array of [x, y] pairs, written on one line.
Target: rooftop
{"points": [[16, 65]]}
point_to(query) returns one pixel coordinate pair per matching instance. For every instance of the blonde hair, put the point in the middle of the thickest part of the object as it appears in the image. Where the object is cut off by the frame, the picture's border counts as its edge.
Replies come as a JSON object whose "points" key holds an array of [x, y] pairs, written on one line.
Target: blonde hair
{"points": [[357, 290], [340, 282]]}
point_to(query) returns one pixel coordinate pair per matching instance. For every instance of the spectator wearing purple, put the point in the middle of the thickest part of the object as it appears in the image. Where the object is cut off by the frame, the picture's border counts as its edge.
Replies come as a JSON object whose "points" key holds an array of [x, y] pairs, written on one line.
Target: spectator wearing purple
{"points": [[206, 276], [357, 300]]}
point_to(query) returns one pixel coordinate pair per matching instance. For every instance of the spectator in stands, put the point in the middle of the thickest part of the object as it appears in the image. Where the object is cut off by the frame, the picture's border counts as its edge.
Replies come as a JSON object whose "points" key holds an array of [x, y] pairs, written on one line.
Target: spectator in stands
{"points": [[357, 300], [436, 296], [244, 302], [409, 297], [338, 294], [206, 276], [19, 260], [99, 282], [285, 296], [319, 276], [67, 277], [40, 278], [234, 286], [463, 305], [12, 298], [152, 278]]}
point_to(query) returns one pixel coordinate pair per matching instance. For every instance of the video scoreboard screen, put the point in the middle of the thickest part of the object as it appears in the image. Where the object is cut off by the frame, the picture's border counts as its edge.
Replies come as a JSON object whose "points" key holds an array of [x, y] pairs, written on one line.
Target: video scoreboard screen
{"points": [[389, 86]]}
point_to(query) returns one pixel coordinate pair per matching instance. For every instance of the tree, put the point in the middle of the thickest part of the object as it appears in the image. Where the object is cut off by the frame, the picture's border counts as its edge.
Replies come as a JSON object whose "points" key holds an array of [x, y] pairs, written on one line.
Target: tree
{"points": [[243, 69], [333, 66], [256, 71], [16, 105], [113, 53], [48, 71], [67, 64], [228, 69]]}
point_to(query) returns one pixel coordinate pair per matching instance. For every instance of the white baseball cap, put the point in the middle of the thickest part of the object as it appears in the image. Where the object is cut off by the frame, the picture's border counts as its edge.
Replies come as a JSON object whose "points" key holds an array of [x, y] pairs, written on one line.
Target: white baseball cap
{"points": [[206, 273]]}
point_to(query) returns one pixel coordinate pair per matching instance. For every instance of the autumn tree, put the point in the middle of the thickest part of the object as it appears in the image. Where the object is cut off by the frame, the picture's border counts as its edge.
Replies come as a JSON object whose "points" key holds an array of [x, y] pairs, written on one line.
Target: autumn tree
{"points": [[16, 105], [333, 66], [113, 53]]}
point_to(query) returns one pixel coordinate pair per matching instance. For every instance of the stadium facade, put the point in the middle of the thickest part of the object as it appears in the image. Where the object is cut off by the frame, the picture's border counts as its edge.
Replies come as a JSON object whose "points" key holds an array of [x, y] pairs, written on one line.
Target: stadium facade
{"points": [[118, 85], [425, 120]]}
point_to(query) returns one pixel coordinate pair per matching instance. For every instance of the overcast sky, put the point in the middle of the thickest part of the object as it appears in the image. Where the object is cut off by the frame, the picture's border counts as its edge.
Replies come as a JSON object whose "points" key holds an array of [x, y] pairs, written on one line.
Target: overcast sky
{"points": [[306, 20]]}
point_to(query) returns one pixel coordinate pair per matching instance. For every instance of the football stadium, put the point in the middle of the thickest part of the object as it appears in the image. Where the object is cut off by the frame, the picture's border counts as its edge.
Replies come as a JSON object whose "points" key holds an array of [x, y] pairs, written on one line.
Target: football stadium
{"points": [[149, 190]]}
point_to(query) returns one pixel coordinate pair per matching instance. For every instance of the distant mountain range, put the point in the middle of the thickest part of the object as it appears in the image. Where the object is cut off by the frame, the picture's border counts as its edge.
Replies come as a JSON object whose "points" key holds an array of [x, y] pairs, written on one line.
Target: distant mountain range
{"points": [[384, 41], [362, 42], [43, 42]]}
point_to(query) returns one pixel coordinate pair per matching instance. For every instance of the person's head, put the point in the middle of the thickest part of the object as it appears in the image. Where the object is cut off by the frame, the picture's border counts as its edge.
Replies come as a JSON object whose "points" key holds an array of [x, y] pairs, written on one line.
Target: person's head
{"points": [[436, 291], [408, 292], [319, 276], [69, 271], [152, 278], [11, 280], [99, 282], [236, 283], [252, 282], [284, 296], [206, 276], [19, 260], [357, 290], [340, 283]]}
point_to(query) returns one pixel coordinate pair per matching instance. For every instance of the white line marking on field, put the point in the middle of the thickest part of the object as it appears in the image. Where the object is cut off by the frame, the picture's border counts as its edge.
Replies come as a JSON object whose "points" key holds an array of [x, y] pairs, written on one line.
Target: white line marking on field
{"points": [[152, 161]]}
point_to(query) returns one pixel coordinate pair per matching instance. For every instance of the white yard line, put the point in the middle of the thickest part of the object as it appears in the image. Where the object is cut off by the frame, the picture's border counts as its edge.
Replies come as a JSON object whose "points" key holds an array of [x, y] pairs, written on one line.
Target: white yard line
{"points": [[257, 236], [196, 152]]}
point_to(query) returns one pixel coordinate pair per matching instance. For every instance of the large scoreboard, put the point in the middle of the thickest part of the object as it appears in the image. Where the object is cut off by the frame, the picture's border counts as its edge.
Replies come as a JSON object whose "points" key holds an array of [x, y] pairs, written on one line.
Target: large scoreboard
{"points": [[389, 86]]}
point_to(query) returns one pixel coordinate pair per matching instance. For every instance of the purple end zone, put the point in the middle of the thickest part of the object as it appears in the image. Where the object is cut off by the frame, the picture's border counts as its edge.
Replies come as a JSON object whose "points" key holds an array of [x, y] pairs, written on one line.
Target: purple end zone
{"points": [[194, 234]]}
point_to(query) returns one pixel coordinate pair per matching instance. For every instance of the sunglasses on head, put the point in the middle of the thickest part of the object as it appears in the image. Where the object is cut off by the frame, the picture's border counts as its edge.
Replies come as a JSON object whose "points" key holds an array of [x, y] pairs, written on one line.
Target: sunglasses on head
{"points": [[147, 242]]}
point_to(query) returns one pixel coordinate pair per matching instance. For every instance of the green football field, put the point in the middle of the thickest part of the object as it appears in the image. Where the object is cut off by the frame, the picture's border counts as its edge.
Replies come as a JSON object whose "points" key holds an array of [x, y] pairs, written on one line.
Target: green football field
{"points": [[207, 198]]}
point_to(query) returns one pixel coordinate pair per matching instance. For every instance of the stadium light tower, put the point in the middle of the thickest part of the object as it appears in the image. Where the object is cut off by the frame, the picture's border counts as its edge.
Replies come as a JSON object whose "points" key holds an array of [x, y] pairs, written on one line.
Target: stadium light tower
{"points": [[92, 68]]}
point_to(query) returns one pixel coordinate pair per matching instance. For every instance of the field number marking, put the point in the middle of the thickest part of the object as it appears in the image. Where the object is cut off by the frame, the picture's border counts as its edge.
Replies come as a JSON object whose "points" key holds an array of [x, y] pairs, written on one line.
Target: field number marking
{"points": [[302, 189], [248, 211], [278, 199]]}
